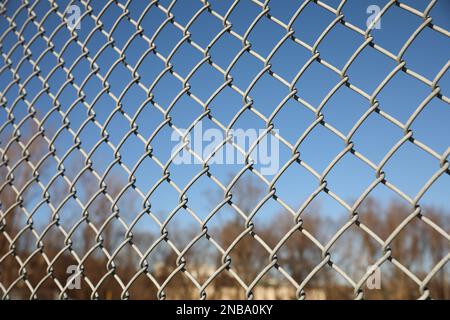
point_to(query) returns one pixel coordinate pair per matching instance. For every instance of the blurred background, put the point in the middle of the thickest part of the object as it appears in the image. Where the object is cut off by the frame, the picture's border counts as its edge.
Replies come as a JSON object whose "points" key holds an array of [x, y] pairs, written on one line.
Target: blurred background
{"points": [[86, 176]]}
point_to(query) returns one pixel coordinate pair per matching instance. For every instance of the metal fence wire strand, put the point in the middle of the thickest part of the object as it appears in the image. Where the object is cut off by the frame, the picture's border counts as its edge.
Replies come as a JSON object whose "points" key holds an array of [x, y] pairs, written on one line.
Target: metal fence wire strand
{"points": [[38, 175]]}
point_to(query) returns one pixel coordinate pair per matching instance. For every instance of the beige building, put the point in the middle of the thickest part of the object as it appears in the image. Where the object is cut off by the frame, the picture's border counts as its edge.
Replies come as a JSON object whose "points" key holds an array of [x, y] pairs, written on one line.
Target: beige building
{"points": [[269, 289]]}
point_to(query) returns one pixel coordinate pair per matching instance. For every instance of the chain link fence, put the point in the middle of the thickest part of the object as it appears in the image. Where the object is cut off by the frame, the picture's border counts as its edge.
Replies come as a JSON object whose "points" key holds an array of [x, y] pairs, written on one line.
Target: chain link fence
{"points": [[91, 92]]}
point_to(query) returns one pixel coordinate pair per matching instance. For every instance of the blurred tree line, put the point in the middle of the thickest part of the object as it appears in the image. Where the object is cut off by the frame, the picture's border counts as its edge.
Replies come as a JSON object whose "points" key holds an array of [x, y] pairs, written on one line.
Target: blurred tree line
{"points": [[38, 245]]}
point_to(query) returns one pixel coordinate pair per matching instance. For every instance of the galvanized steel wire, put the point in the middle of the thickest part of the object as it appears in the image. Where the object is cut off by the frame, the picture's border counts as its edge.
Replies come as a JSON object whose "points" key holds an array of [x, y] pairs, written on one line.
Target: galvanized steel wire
{"points": [[16, 28]]}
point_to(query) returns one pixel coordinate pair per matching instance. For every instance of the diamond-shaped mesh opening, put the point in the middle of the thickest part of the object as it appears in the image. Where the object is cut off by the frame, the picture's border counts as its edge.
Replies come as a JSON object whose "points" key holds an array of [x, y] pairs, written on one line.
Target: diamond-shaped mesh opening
{"points": [[214, 149]]}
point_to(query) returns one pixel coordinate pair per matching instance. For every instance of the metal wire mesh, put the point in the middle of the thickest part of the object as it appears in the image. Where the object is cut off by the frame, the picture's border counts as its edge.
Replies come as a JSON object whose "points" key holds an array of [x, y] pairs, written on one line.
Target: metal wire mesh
{"points": [[37, 111]]}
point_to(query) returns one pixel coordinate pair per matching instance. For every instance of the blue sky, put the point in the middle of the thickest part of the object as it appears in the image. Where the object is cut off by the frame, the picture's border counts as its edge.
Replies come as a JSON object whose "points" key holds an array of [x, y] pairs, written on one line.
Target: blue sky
{"points": [[408, 169]]}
